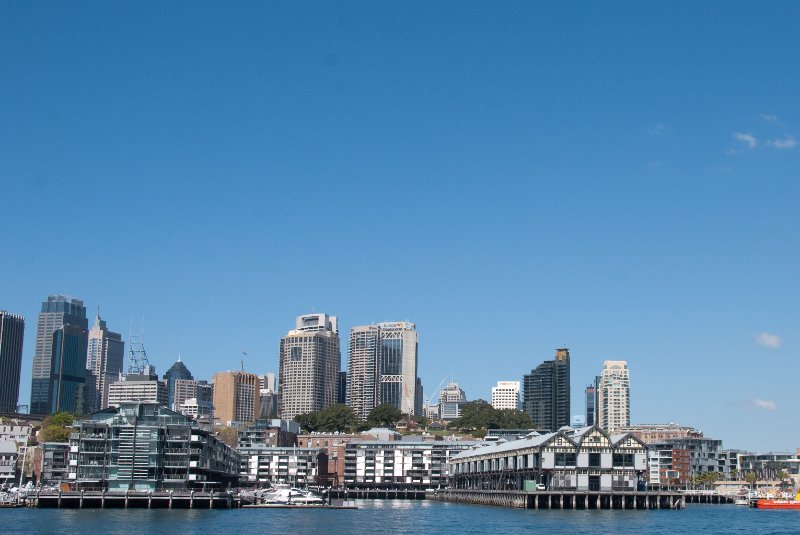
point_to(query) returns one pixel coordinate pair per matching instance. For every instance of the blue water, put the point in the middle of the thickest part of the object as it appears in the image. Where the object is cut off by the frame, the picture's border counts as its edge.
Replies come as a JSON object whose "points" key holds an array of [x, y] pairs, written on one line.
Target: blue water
{"points": [[398, 516]]}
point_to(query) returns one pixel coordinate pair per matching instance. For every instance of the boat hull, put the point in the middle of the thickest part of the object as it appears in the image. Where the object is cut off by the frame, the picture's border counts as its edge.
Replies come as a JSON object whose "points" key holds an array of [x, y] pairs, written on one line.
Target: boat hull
{"points": [[778, 504]]}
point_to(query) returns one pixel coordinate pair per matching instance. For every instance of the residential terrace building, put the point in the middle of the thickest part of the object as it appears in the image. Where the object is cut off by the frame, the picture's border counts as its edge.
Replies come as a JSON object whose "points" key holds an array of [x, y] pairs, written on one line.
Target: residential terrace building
{"points": [[400, 464], [657, 433], [586, 459], [145, 446], [264, 466]]}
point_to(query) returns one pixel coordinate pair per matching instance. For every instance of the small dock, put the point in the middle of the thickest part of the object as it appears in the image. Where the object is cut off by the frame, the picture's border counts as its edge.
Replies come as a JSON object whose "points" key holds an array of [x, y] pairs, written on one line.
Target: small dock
{"points": [[130, 499], [377, 494], [577, 500]]}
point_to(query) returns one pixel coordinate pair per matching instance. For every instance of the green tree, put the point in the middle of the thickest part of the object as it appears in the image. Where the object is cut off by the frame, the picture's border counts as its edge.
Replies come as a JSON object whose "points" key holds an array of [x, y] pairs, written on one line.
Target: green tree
{"points": [[751, 478], [384, 415], [56, 428], [337, 417], [514, 419], [308, 421], [475, 415]]}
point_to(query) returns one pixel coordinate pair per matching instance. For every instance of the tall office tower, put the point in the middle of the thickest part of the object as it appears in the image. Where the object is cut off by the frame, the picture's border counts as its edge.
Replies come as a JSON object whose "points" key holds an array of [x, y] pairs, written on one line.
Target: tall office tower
{"points": [[68, 372], [104, 359], [175, 372], [506, 395], [56, 312], [310, 362], [12, 332], [613, 396], [398, 366], [383, 368], [237, 397], [591, 405], [267, 382], [363, 376], [546, 392]]}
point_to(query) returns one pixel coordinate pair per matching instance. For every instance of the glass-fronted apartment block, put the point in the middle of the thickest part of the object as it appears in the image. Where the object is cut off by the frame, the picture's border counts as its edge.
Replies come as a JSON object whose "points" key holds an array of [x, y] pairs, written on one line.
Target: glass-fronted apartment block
{"points": [[145, 446]]}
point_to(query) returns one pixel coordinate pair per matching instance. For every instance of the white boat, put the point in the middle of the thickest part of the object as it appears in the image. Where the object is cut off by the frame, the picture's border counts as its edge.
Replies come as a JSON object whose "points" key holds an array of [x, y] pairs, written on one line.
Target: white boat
{"points": [[285, 495]]}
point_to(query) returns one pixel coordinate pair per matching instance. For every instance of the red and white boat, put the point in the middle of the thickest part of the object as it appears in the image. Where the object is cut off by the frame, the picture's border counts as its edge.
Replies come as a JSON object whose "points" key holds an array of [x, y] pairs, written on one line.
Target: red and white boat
{"points": [[780, 503]]}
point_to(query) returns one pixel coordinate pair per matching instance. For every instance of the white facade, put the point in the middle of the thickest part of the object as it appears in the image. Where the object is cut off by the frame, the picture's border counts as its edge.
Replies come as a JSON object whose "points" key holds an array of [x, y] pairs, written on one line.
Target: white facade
{"points": [[144, 391], [613, 396], [506, 395]]}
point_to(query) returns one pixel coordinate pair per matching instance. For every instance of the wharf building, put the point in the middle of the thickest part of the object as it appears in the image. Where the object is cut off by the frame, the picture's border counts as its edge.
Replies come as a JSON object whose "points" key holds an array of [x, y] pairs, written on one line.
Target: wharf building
{"points": [[405, 464], [382, 368], [310, 362], [105, 352], [143, 387], [546, 394], [613, 396], [237, 397], [586, 459], [12, 333], [57, 312], [146, 447], [506, 395]]}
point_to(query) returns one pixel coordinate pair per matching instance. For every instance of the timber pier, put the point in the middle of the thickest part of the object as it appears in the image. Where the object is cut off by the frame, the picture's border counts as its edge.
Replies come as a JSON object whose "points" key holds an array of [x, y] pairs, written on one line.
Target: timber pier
{"points": [[130, 499], [563, 499]]}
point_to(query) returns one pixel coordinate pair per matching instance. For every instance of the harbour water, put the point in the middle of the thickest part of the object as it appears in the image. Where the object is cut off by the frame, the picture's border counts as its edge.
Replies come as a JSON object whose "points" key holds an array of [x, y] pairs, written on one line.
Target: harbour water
{"points": [[399, 516]]}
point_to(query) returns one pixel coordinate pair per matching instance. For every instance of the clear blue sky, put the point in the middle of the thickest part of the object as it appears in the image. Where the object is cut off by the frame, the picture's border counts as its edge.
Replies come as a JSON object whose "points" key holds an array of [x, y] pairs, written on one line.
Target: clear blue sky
{"points": [[619, 178]]}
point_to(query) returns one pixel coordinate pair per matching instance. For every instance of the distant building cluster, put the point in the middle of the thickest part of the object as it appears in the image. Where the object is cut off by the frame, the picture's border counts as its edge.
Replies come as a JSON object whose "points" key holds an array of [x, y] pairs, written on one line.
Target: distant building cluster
{"points": [[239, 428]]}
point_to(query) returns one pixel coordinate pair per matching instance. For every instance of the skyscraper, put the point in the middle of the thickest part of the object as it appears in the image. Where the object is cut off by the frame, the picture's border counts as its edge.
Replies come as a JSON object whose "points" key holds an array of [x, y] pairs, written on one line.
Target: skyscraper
{"points": [[591, 405], [363, 375], [175, 372], [310, 362], [237, 396], [506, 395], [104, 358], [546, 393], [398, 366], [383, 368], [68, 387], [613, 396], [12, 332], [56, 312]]}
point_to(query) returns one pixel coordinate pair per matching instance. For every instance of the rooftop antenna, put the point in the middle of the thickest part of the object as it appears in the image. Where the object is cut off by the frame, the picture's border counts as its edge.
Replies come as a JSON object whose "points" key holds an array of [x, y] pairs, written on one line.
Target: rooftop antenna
{"points": [[244, 354], [137, 355]]}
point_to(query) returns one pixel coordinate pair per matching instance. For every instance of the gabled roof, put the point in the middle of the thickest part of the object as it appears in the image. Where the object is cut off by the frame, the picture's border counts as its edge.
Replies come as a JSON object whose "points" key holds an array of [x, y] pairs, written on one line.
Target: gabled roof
{"points": [[512, 445]]}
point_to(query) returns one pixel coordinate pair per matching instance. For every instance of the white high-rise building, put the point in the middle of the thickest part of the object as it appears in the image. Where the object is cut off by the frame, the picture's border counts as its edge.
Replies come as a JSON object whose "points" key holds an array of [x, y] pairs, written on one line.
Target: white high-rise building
{"points": [[506, 395], [104, 355], [613, 396], [310, 361]]}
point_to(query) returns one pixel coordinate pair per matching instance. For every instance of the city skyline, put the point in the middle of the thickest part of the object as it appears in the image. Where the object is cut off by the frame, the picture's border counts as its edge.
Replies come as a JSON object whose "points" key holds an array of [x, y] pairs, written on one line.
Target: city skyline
{"points": [[616, 179]]}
